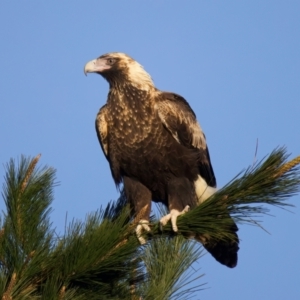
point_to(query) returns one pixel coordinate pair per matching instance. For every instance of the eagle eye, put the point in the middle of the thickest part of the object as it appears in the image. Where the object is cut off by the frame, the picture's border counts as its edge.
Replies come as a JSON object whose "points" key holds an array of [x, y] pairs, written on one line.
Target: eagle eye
{"points": [[110, 61]]}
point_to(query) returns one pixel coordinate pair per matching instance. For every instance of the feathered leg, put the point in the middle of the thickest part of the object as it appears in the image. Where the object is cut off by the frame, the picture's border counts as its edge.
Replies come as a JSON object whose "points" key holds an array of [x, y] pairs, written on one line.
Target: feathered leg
{"points": [[181, 197], [139, 198]]}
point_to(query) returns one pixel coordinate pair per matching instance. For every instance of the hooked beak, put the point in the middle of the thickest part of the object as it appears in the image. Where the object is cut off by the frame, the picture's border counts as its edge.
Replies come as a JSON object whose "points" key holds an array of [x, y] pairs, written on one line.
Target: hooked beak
{"points": [[96, 66]]}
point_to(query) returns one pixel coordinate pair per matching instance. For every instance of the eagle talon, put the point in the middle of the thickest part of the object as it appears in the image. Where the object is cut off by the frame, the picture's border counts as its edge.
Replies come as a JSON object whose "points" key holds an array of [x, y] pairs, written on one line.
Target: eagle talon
{"points": [[142, 226], [173, 215]]}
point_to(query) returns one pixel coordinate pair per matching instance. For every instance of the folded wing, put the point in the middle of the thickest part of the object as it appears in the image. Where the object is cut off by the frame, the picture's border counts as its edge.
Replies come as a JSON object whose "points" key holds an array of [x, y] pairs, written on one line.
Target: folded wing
{"points": [[180, 120]]}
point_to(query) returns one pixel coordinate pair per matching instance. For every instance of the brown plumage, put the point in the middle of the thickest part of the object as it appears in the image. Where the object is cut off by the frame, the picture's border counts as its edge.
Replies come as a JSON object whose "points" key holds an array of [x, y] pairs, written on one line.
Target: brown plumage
{"points": [[155, 146]]}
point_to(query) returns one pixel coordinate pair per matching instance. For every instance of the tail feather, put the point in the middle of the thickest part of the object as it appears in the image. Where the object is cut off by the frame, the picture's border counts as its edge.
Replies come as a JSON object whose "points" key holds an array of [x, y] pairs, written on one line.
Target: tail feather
{"points": [[224, 251]]}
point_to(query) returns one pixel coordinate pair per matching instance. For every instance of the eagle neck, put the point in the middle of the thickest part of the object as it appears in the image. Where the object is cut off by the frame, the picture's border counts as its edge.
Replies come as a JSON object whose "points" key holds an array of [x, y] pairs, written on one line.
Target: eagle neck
{"points": [[130, 96]]}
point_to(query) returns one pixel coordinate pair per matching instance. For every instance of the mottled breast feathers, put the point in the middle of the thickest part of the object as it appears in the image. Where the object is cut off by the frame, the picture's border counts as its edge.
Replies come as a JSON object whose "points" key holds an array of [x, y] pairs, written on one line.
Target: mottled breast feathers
{"points": [[179, 120]]}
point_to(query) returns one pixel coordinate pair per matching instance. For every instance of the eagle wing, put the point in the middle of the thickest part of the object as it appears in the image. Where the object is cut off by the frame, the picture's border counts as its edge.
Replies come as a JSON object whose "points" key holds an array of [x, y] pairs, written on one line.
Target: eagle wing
{"points": [[102, 129], [180, 120]]}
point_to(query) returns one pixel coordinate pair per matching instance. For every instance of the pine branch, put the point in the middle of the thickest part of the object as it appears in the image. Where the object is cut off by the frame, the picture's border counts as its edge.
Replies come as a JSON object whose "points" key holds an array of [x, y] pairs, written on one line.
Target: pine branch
{"points": [[94, 257], [272, 181], [97, 253], [26, 234], [102, 256], [168, 263], [99, 256]]}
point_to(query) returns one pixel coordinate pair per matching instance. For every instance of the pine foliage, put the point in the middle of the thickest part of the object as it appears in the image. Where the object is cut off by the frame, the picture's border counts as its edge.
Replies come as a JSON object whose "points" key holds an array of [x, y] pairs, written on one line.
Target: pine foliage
{"points": [[271, 181], [100, 257], [168, 261]]}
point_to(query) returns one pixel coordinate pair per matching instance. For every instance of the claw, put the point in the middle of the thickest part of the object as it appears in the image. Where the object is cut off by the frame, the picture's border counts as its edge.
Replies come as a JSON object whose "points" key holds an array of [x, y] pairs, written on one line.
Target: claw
{"points": [[142, 226], [173, 215]]}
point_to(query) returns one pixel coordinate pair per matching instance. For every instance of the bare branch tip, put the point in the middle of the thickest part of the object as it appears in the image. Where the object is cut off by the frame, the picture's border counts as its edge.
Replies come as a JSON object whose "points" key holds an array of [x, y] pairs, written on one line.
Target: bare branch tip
{"points": [[287, 166], [62, 292], [29, 172]]}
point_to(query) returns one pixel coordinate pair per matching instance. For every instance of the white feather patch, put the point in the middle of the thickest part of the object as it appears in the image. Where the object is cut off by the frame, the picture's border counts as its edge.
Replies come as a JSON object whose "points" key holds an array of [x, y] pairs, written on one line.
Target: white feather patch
{"points": [[138, 75], [203, 191]]}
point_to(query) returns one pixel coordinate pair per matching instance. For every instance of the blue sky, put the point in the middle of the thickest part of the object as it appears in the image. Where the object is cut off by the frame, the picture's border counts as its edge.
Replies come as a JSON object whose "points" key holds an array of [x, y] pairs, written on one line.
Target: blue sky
{"points": [[236, 62]]}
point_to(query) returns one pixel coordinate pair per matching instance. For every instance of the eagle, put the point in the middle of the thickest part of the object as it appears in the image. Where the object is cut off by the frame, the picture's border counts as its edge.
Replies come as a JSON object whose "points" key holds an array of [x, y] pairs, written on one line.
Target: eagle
{"points": [[155, 146]]}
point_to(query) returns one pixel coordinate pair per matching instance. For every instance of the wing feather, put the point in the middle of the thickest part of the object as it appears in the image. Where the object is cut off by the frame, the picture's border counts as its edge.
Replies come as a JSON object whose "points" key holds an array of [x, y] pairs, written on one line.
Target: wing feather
{"points": [[102, 129], [180, 120]]}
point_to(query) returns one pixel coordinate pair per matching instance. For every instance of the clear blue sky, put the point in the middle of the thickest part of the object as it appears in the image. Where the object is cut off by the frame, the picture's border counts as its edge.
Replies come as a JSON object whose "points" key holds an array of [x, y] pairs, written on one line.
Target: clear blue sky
{"points": [[236, 62]]}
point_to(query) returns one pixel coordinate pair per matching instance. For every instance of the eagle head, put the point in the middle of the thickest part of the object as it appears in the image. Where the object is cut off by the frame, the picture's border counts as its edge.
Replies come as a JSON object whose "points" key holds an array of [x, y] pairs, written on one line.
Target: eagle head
{"points": [[119, 69]]}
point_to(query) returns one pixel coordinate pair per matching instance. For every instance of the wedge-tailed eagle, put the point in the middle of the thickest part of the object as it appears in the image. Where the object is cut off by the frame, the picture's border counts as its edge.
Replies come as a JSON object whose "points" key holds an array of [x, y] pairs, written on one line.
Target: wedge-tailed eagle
{"points": [[156, 147]]}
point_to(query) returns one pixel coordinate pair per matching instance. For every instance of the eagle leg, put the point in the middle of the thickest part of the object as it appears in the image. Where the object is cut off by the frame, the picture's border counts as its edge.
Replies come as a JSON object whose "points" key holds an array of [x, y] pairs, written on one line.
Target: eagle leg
{"points": [[181, 197], [139, 198], [173, 215]]}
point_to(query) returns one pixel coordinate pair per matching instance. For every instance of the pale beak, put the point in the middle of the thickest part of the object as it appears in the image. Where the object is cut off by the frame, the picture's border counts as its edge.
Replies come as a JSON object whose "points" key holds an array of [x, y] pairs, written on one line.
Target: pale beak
{"points": [[96, 66], [90, 67]]}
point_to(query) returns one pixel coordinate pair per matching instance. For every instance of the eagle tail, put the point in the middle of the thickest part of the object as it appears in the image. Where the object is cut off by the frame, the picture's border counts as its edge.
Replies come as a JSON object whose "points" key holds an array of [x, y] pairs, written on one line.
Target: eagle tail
{"points": [[225, 250]]}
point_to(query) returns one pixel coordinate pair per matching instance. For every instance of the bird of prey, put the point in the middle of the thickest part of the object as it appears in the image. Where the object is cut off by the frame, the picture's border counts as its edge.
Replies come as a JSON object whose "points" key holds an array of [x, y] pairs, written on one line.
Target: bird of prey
{"points": [[155, 147]]}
